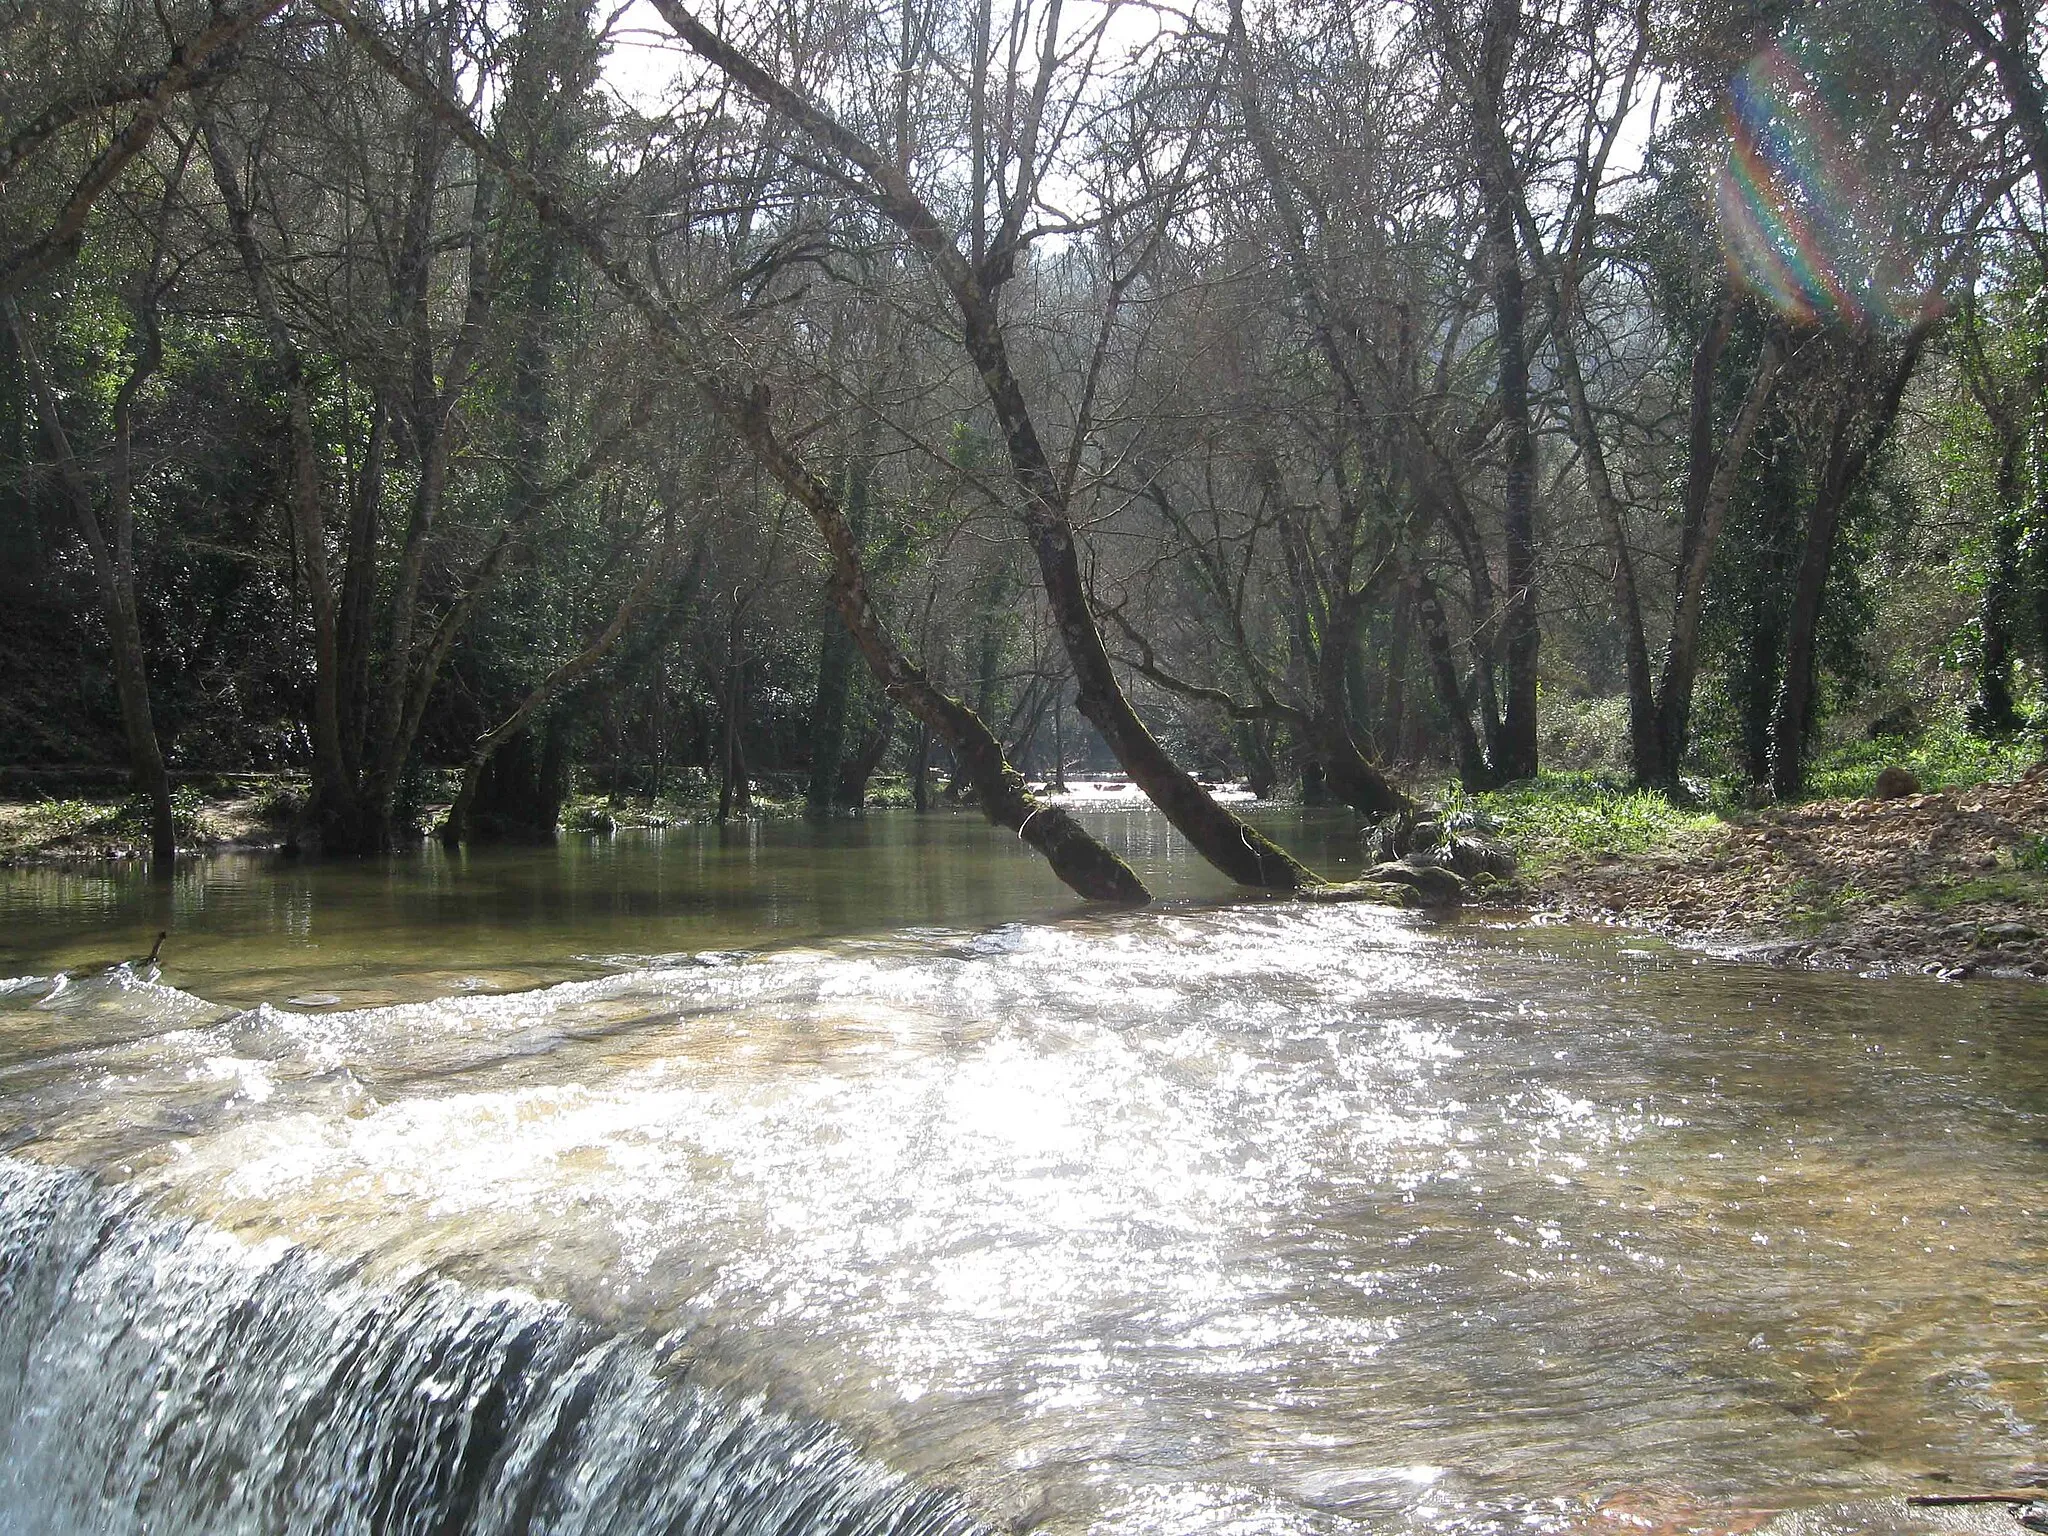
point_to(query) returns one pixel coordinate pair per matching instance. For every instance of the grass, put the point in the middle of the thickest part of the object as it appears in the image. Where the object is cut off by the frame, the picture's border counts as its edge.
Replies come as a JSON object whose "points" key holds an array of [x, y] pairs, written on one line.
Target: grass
{"points": [[1559, 818], [1941, 757], [689, 798], [2027, 887], [1567, 817], [1820, 905]]}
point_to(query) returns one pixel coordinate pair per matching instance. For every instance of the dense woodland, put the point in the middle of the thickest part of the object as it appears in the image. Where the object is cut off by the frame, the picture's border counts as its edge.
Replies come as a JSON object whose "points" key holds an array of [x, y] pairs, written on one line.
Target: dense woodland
{"points": [[1332, 396]]}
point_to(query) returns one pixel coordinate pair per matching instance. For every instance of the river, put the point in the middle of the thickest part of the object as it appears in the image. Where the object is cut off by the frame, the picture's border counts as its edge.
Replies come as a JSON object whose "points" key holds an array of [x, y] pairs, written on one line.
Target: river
{"points": [[850, 1180]]}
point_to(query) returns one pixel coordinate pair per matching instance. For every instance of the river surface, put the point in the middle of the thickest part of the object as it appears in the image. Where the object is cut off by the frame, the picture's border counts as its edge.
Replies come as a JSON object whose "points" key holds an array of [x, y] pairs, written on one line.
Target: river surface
{"points": [[853, 1180]]}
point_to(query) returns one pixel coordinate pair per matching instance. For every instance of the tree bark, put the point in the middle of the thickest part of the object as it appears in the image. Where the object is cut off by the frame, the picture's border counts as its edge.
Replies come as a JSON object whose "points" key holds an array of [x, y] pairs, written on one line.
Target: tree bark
{"points": [[920, 769], [1514, 754], [191, 64], [336, 809], [1710, 485], [563, 678], [1349, 772], [1501, 177], [1239, 851], [829, 707], [861, 766], [1076, 857], [113, 565], [1793, 719], [834, 694], [1080, 861], [1474, 772], [1995, 711]]}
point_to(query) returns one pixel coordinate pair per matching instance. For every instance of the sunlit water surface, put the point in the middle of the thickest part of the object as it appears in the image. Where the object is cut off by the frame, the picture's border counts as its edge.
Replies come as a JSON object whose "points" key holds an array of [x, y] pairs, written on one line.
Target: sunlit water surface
{"points": [[1248, 1219]]}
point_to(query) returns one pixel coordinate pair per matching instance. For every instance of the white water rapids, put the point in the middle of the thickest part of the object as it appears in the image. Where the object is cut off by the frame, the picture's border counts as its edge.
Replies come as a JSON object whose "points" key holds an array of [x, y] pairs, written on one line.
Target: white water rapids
{"points": [[1246, 1220]]}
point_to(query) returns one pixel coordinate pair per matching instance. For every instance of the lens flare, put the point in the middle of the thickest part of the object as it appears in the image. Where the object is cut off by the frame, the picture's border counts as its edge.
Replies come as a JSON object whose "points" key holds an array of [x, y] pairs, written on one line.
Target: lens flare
{"points": [[1799, 222]]}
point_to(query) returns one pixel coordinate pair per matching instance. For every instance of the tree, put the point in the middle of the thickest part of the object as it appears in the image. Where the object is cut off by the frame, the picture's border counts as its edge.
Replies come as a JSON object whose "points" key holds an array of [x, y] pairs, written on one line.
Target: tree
{"points": [[972, 278]]}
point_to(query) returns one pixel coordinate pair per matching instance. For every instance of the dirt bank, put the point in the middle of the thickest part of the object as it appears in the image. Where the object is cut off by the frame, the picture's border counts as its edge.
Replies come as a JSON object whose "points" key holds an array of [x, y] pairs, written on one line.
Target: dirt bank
{"points": [[1953, 883]]}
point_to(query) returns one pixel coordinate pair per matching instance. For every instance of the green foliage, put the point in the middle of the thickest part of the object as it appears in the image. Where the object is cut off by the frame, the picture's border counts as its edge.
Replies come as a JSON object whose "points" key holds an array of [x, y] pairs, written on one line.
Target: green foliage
{"points": [[89, 825], [2032, 855], [889, 791], [1564, 817], [1560, 817], [2013, 887], [1818, 905], [1582, 735], [588, 814], [284, 802], [1942, 755]]}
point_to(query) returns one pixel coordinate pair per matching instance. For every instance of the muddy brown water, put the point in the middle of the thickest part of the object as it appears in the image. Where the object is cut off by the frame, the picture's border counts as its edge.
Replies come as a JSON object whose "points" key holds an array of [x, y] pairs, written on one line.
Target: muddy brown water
{"points": [[881, 1190]]}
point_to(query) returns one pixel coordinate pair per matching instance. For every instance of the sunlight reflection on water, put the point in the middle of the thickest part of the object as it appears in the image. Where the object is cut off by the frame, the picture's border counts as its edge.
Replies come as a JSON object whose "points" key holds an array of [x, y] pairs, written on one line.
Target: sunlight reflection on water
{"points": [[1253, 1220]]}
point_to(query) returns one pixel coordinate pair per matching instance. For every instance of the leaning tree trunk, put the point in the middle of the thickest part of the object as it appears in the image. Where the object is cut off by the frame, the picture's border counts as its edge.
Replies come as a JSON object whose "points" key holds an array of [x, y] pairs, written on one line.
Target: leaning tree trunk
{"points": [[1231, 845], [1076, 857], [1793, 718], [1080, 861], [1235, 848]]}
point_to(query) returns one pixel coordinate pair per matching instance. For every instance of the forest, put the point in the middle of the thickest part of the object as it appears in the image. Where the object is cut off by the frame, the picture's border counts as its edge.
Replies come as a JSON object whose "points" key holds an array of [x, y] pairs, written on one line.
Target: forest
{"points": [[1023, 767], [462, 403]]}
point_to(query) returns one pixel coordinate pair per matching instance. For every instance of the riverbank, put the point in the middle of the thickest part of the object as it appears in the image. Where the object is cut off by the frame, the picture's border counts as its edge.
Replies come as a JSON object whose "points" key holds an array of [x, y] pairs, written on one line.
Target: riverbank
{"points": [[1952, 882], [254, 813], [219, 818]]}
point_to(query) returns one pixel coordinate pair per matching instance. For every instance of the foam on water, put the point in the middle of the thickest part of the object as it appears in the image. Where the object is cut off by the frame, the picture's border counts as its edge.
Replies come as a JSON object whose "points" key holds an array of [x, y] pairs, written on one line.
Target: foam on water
{"points": [[159, 1377], [1257, 1220]]}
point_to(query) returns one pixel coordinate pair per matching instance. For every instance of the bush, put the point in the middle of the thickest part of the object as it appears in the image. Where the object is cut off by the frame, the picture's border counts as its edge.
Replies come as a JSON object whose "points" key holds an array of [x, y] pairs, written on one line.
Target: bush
{"points": [[106, 824], [130, 819], [284, 803], [589, 814], [1583, 735]]}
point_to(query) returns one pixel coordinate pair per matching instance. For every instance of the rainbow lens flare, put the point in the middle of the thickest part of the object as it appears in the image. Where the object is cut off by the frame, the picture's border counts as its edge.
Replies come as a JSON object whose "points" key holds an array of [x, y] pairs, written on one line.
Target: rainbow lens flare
{"points": [[1800, 224]]}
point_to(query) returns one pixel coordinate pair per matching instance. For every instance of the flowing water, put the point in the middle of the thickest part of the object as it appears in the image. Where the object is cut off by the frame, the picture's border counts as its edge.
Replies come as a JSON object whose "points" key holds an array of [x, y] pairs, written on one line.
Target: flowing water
{"points": [[852, 1181]]}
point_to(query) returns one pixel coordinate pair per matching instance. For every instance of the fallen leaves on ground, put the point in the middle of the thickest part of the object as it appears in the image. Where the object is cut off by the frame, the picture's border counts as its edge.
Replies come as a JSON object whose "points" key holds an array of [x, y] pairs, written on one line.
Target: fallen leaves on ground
{"points": [[1951, 882]]}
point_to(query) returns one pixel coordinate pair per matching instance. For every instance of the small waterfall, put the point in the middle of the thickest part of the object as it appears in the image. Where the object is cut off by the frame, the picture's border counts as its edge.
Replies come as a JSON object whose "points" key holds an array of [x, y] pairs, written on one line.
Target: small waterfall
{"points": [[158, 1376]]}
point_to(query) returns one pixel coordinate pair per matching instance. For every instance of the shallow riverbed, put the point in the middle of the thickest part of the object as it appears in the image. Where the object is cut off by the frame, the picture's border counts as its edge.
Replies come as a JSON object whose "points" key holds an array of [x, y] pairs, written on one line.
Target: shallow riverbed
{"points": [[1212, 1218]]}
